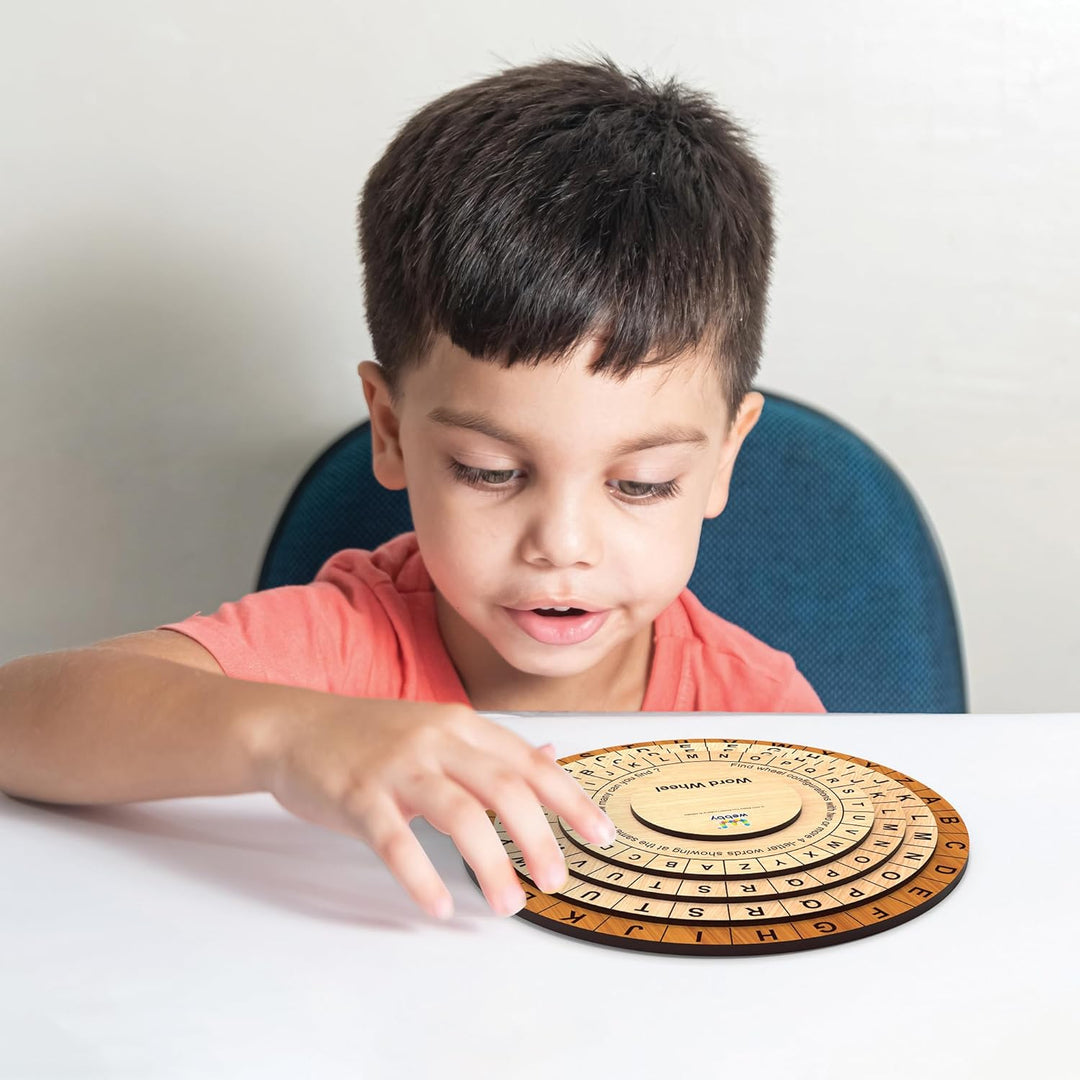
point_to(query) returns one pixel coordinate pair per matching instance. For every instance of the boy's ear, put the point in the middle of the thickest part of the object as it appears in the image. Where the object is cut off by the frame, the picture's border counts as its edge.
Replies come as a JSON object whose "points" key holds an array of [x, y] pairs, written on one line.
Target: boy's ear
{"points": [[749, 412], [387, 462]]}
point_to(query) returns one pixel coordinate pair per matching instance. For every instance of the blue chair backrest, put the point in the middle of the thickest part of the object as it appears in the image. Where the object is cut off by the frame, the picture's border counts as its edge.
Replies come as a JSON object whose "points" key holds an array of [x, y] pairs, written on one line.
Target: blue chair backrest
{"points": [[822, 551]]}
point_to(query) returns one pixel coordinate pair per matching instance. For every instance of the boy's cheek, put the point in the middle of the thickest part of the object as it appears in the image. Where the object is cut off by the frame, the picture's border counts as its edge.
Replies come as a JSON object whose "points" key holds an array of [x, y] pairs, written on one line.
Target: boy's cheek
{"points": [[462, 555]]}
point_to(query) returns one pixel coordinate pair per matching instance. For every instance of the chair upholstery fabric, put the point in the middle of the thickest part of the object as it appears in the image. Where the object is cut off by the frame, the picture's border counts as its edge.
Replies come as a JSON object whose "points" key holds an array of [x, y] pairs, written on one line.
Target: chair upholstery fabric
{"points": [[822, 551]]}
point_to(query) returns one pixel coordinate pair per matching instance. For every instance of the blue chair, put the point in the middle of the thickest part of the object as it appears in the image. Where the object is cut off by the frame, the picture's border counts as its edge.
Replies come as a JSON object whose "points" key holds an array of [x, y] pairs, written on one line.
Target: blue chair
{"points": [[822, 551]]}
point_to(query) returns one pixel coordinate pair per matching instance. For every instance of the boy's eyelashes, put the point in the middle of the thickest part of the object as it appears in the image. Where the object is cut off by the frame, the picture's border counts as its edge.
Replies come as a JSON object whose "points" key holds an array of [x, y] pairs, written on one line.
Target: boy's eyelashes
{"points": [[482, 477], [635, 491], [640, 491]]}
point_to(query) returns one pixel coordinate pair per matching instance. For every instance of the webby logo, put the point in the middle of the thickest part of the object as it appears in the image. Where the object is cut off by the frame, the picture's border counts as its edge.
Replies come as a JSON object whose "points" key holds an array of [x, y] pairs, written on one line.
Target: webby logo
{"points": [[728, 821]]}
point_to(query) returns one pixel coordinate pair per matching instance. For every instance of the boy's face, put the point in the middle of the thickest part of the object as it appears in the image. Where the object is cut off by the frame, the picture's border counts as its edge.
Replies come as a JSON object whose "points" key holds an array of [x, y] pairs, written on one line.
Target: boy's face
{"points": [[536, 487]]}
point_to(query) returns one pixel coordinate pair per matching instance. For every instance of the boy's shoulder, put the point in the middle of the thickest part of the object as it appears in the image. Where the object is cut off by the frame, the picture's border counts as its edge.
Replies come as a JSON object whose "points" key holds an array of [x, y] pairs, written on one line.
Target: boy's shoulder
{"points": [[358, 628], [689, 619], [718, 666], [395, 565]]}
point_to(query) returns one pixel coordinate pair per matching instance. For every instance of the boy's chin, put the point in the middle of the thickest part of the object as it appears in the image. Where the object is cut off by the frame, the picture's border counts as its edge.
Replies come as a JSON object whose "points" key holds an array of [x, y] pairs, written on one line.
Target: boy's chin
{"points": [[552, 661]]}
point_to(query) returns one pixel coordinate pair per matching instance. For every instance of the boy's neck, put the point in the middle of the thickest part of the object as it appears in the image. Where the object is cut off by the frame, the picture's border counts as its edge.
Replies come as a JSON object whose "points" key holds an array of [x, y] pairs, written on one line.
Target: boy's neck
{"points": [[616, 684]]}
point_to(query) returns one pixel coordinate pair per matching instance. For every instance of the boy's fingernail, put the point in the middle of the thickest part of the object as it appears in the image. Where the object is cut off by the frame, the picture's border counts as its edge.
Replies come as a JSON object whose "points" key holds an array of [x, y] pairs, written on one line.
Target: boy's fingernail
{"points": [[552, 880], [443, 908], [604, 833], [511, 901]]}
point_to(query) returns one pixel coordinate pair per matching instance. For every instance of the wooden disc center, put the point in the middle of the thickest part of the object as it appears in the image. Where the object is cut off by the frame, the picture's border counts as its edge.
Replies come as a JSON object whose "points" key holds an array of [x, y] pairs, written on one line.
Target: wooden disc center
{"points": [[715, 802]]}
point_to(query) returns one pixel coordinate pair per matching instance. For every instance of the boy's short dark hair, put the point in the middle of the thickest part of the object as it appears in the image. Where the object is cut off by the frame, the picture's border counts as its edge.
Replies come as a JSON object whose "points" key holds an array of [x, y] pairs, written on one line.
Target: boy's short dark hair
{"points": [[553, 202]]}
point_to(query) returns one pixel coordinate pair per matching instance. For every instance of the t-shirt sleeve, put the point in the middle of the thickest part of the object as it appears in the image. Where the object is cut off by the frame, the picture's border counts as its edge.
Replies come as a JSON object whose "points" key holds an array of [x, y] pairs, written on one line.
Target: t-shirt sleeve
{"points": [[797, 695], [323, 636]]}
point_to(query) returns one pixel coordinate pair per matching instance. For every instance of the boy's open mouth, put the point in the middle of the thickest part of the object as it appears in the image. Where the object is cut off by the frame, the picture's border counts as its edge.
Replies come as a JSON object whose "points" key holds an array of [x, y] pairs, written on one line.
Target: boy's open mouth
{"points": [[558, 625]]}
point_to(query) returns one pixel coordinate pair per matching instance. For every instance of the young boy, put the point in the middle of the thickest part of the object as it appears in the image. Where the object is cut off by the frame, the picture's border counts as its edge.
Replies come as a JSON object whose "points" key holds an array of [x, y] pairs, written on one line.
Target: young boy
{"points": [[565, 279]]}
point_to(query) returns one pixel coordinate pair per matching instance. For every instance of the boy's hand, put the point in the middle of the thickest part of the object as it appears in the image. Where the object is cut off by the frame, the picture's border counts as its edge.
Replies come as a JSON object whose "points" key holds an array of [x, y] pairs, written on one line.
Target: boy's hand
{"points": [[367, 768]]}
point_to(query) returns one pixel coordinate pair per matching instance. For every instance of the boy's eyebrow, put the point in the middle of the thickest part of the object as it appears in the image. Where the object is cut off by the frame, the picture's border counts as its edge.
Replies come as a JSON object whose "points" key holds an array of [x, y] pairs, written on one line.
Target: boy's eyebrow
{"points": [[673, 433]]}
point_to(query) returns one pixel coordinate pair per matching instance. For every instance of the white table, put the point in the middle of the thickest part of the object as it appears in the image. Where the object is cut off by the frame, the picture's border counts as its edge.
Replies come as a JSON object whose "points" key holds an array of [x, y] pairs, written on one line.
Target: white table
{"points": [[224, 938]]}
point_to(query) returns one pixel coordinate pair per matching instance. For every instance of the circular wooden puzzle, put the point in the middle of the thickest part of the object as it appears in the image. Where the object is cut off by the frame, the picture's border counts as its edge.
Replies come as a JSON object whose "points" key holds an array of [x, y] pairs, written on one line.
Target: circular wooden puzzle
{"points": [[739, 847]]}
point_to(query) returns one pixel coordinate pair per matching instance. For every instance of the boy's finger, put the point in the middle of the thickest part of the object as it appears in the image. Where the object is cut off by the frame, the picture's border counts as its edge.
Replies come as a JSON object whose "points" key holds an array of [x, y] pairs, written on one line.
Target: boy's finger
{"points": [[554, 786], [454, 811], [388, 834], [515, 801], [564, 796]]}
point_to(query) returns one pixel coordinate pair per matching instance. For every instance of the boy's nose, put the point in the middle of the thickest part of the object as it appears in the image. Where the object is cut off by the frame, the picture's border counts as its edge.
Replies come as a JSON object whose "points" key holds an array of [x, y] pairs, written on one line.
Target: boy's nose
{"points": [[562, 532]]}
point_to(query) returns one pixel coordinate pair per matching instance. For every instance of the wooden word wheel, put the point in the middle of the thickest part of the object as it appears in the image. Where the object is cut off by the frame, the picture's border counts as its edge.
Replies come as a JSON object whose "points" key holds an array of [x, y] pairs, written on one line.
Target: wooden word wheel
{"points": [[736, 847]]}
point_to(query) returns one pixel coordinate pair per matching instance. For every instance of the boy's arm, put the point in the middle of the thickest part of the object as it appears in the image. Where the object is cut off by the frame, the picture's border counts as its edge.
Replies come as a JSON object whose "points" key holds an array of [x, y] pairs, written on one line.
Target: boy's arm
{"points": [[150, 716], [144, 716]]}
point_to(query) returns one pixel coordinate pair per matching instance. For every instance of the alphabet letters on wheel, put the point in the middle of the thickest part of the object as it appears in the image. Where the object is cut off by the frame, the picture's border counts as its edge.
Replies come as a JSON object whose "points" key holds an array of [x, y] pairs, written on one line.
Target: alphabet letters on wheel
{"points": [[728, 848]]}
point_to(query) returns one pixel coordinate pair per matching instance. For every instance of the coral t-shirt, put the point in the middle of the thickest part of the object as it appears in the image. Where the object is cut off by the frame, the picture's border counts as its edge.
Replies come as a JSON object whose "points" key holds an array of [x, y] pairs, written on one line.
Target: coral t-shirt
{"points": [[366, 627]]}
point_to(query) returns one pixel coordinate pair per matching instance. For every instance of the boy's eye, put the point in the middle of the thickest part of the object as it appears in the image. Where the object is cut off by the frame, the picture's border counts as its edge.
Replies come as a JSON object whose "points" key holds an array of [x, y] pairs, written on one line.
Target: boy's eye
{"points": [[637, 491], [482, 477]]}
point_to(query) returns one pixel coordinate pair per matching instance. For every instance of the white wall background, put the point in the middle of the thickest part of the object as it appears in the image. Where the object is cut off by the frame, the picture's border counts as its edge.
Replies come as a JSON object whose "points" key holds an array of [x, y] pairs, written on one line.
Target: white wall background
{"points": [[180, 304]]}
